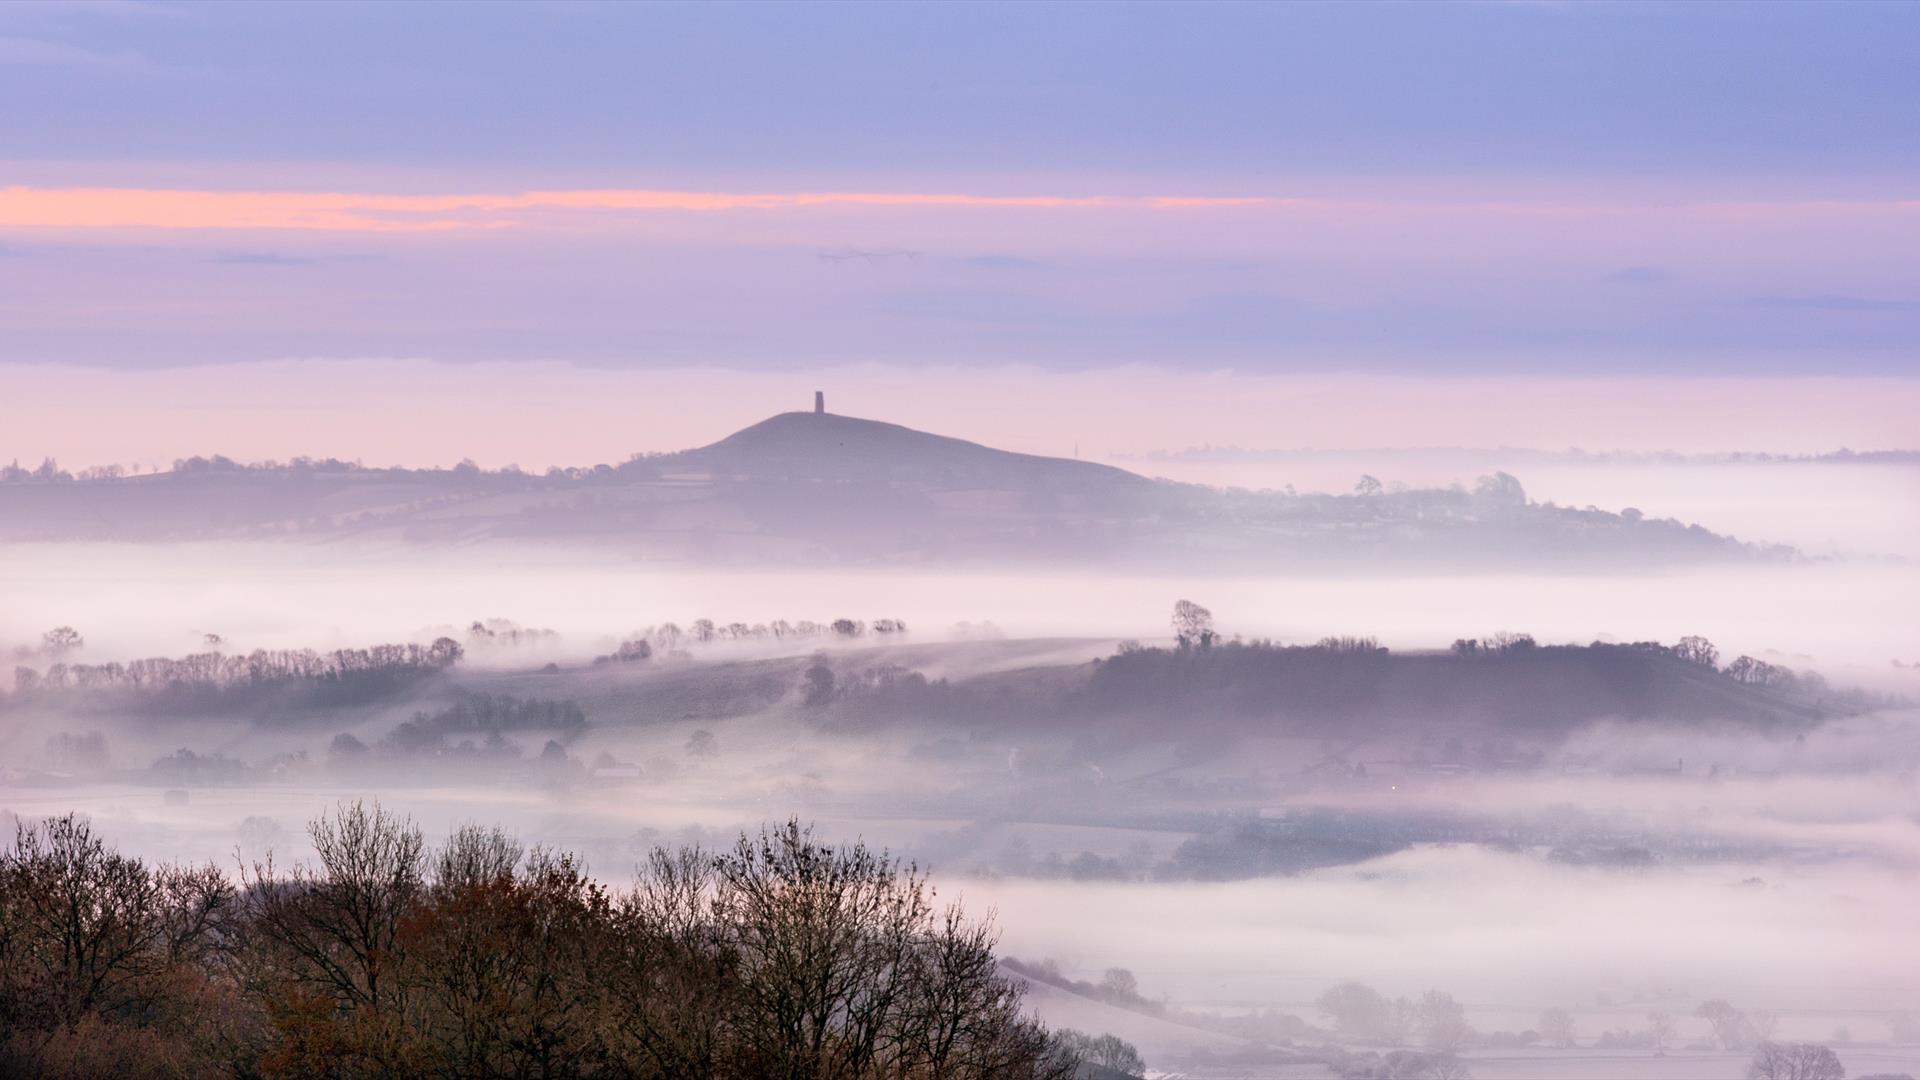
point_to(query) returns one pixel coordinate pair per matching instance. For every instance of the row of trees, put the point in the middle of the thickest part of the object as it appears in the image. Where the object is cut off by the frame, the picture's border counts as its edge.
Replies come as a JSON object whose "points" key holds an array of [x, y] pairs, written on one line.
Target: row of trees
{"points": [[1193, 629], [669, 637], [1362, 1013], [200, 674], [478, 713], [706, 631], [783, 957]]}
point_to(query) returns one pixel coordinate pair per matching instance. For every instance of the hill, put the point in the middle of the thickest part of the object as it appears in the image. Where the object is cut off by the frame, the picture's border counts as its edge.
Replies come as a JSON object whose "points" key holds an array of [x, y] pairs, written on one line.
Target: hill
{"points": [[807, 489], [825, 447]]}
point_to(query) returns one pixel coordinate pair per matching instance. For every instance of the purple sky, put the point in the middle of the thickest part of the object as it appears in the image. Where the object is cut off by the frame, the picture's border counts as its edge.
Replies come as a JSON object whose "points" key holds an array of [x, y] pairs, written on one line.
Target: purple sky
{"points": [[1289, 192]]}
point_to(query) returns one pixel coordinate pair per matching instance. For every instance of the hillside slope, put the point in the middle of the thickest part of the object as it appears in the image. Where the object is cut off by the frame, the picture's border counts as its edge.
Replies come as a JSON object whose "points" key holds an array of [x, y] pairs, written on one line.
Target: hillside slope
{"points": [[806, 489]]}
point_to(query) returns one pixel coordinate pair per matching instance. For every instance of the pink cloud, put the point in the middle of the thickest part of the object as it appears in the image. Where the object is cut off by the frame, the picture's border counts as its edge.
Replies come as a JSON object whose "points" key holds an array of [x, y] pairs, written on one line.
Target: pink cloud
{"points": [[344, 211]]}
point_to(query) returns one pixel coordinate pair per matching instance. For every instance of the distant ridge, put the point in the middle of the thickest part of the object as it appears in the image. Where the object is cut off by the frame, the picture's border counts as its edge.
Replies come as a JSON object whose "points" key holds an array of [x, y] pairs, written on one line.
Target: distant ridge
{"points": [[827, 446], [814, 488]]}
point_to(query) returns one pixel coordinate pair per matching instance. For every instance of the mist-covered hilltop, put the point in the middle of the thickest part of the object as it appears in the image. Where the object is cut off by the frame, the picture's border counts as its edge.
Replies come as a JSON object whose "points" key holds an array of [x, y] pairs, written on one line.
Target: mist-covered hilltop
{"points": [[820, 489]]}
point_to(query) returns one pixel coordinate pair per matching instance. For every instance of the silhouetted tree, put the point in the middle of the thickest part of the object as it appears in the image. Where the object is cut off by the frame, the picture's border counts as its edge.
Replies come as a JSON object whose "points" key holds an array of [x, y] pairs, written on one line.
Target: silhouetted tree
{"points": [[1192, 625], [818, 687], [61, 640], [1794, 1061], [1695, 649]]}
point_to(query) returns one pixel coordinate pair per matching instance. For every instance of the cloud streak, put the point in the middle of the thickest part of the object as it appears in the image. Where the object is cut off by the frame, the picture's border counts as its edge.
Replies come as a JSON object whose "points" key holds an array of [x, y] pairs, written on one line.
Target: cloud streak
{"points": [[163, 208], [31, 207]]}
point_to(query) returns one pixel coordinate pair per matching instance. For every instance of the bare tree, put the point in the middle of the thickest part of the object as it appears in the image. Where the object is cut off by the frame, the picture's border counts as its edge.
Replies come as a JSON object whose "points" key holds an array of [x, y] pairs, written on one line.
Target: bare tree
{"points": [[474, 856], [61, 640], [783, 958], [332, 933], [1443, 1021], [1556, 1026], [1695, 649], [1356, 1009], [1730, 1027], [1192, 625], [1659, 1028], [823, 936], [1794, 1061]]}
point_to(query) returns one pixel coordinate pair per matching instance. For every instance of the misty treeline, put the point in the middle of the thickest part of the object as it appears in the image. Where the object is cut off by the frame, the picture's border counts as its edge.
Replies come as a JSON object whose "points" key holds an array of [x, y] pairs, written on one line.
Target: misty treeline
{"points": [[1212, 684], [1437, 1022], [781, 957], [214, 679], [490, 715], [472, 726], [218, 465], [317, 679], [1452, 519], [1121, 989], [669, 638], [507, 633], [1506, 676]]}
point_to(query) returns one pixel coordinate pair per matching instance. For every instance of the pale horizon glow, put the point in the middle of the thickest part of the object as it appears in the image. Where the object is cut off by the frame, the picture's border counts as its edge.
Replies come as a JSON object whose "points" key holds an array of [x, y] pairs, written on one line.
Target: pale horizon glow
{"points": [[423, 413]]}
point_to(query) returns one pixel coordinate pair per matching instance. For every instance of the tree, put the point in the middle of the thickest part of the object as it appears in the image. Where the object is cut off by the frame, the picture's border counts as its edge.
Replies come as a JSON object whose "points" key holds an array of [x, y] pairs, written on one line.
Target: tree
{"points": [[1192, 626], [1730, 1027], [1105, 1051], [61, 640], [1443, 1021], [336, 927], [501, 966], [818, 685], [1794, 1061], [1118, 984], [1659, 1028], [1357, 1010], [1508, 642], [103, 957], [1499, 492], [444, 652], [1556, 1026], [1695, 649], [702, 744], [1745, 669], [345, 746], [89, 930], [1368, 488], [782, 958]]}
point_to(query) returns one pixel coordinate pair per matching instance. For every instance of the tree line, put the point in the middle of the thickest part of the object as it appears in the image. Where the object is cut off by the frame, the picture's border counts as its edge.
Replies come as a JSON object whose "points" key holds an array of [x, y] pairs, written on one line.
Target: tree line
{"points": [[339, 676], [781, 957], [670, 637]]}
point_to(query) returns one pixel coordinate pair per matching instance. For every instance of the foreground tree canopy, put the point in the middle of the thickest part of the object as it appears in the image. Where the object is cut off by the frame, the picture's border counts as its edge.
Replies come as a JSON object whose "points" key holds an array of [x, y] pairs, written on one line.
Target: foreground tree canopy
{"points": [[783, 957]]}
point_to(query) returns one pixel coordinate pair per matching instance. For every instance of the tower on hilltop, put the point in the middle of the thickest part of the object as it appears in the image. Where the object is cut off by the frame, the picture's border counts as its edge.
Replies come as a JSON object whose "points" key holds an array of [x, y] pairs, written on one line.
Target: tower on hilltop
{"points": [[819, 403]]}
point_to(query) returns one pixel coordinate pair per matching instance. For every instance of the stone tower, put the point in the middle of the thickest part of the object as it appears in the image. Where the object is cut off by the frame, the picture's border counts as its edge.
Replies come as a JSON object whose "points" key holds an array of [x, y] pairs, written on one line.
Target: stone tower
{"points": [[819, 403]]}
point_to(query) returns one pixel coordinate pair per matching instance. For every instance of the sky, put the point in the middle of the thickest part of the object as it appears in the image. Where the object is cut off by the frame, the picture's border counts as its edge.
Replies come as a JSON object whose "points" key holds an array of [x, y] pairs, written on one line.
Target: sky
{"points": [[1475, 193]]}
